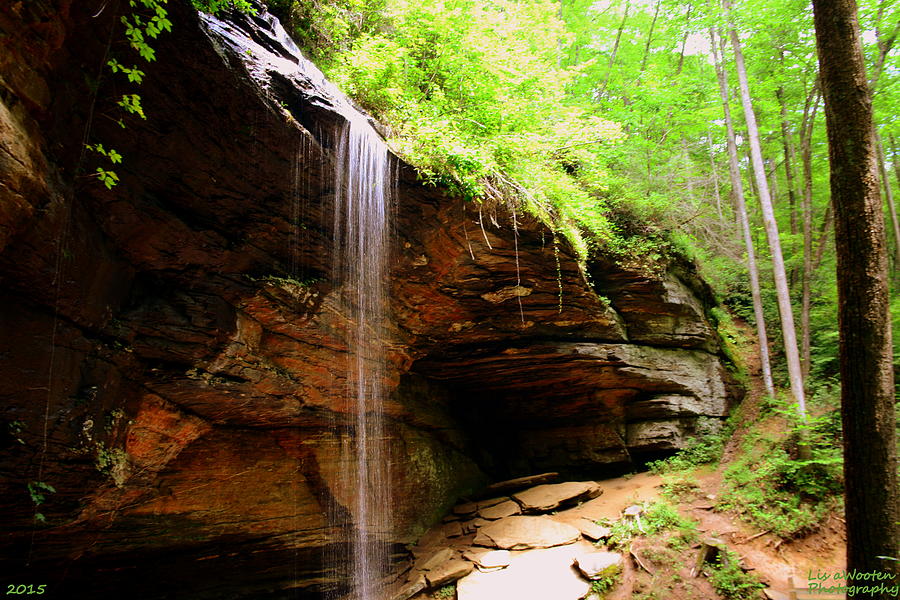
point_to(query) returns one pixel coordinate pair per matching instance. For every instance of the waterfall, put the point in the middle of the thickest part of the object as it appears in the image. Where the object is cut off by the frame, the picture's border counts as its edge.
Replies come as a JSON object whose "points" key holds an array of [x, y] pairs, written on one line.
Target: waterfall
{"points": [[362, 194]]}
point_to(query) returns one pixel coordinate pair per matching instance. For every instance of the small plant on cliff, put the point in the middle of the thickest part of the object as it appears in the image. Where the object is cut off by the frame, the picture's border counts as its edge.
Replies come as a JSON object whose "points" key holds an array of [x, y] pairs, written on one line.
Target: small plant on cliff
{"points": [[37, 490]]}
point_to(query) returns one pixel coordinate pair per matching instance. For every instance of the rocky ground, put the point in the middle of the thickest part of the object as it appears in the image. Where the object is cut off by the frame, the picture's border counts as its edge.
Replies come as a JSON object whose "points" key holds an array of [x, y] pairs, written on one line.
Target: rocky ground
{"points": [[544, 543], [533, 542]]}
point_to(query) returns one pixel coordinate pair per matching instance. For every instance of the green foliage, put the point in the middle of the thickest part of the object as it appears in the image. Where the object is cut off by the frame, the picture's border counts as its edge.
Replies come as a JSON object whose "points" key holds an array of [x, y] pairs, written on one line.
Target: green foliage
{"points": [[145, 21], [37, 491], [658, 517], [15, 429], [133, 74], [703, 449], [215, 7], [605, 582], [732, 342], [131, 103], [448, 591], [731, 582], [776, 490]]}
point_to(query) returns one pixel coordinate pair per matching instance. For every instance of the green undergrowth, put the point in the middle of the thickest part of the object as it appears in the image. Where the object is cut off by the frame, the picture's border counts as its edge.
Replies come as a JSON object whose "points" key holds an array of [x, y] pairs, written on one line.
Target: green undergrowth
{"points": [[656, 518], [730, 581], [664, 544], [705, 448], [770, 485], [766, 482]]}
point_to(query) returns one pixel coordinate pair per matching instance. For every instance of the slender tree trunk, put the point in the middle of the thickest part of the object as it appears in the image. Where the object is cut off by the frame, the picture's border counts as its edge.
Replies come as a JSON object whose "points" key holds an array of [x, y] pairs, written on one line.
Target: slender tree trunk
{"points": [[889, 198], [615, 50], [872, 500], [895, 162], [788, 331], [737, 187], [826, 228], [687, 20], [806, 284], [650, 36], [715, 175], [788, 157]]}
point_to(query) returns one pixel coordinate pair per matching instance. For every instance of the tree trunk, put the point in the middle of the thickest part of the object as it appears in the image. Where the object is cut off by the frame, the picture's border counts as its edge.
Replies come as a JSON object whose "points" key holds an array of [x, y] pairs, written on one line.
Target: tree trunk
{"points": [[781, 287], [871, 492], [650, 36], [715, 175], [889, 198], [737, 187], [788, 156], [808, 268], [687, 20], [615, 50], [895, 154]]}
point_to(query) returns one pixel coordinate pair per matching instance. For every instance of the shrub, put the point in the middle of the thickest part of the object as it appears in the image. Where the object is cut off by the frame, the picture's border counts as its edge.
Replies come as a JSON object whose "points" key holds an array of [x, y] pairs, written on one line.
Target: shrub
{"points": [[703, 449], [731, 582]]}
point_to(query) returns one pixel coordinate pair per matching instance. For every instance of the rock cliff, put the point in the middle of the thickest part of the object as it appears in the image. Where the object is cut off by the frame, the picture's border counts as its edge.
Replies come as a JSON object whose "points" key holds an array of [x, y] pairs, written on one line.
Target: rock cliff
{"points": [[174, 354]]}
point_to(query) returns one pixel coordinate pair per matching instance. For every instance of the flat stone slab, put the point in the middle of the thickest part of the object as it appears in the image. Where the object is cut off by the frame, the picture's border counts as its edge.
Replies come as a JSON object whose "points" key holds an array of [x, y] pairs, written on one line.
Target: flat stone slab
{"points": [[448, 572], [520, 483], [491, 502], [498, 511], [589, 529], [465, 510], [544, 498], [595, 565], [489, 559], [520, 533], [473, 525], [545, 574], [407, 590], [435, 559]]}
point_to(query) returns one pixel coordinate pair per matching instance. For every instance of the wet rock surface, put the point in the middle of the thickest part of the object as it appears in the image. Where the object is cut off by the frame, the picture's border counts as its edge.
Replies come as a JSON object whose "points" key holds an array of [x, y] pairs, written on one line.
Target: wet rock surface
{"points": [[174, 356]]}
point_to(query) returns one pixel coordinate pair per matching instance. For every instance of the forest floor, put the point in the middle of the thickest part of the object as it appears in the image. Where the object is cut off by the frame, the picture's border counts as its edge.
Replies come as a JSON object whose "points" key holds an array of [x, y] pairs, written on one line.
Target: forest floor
{"points": [[781, 565]]}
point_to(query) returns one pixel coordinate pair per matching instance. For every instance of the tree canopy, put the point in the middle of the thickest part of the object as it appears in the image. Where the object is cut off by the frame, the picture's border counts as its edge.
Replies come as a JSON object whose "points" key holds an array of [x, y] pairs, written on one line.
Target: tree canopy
{"points": [[604, 119]]}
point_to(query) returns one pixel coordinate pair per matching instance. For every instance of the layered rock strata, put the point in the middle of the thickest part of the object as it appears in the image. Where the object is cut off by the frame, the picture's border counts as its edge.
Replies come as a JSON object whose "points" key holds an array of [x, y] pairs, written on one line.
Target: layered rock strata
{"points": [[174, 355]]}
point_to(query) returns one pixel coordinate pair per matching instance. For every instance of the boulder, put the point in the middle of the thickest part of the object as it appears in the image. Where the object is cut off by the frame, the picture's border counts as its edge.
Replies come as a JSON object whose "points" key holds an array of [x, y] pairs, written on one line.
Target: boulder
{"points": [[595, 565], [544, 498], [448, 572], [522, 532]]}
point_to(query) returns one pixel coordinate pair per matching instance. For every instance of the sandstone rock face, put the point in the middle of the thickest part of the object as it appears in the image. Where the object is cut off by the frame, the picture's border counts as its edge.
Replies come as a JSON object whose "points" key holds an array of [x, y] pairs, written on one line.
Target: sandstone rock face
{"points": [[175, 358]]}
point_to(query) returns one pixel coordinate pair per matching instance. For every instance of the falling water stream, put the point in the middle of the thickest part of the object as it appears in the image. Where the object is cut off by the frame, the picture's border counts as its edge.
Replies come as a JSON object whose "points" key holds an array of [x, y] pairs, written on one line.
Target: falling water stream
{"points": [[362, 193]]}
